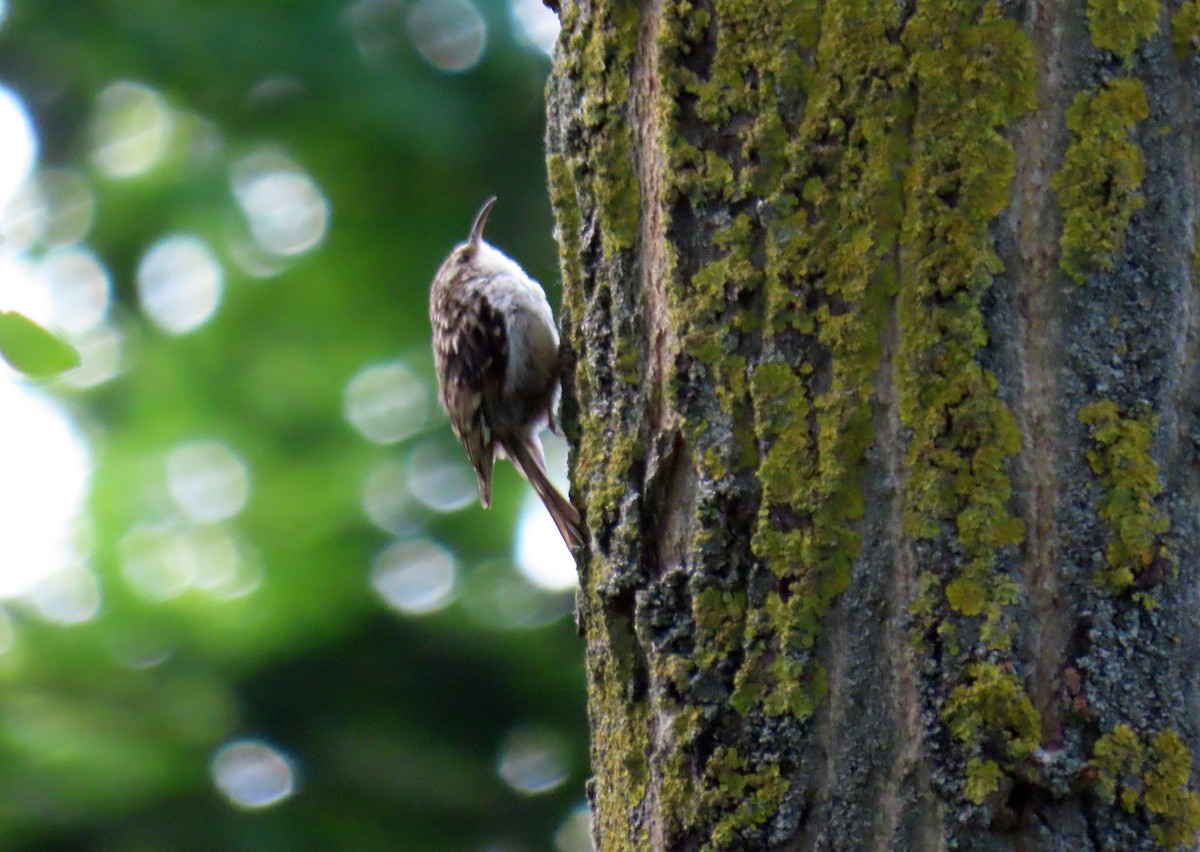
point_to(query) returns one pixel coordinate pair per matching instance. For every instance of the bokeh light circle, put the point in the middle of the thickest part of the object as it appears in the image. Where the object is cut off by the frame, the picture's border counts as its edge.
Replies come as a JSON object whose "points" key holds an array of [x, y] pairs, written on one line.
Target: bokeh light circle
{"points": [[69, 596], [539, 551], [541, 555], [286, 211], [499, 597], [70, 205], [102, 353], [450, 34], [532, 760], [252, 774], [163, 561], [377, 26], [79, 288], [387, 501], [575, 832], [208, 480], [386, 402], [179, 283], [415, 577], [130, 130], [440, 476]]}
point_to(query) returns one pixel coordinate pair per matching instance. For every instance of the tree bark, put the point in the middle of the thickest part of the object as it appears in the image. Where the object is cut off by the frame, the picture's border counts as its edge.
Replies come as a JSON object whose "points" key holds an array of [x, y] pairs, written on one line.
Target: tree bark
{"points": [[884, 403]]}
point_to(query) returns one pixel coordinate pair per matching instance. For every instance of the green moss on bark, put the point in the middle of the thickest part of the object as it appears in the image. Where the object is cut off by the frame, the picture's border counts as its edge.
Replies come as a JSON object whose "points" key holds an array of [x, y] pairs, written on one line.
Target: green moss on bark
{"points": [[597, 66], [1185, 28], [829, 228], [1118, 758], [984, 777], [826, 282], [739, 796], [801, 277], [592, 171], [972, 70], [972, 78], [607, 454], [1129, 477], [602, 49], [719, 616], [823, 180], [1122, 25], [570, 251], [1097, 186]]}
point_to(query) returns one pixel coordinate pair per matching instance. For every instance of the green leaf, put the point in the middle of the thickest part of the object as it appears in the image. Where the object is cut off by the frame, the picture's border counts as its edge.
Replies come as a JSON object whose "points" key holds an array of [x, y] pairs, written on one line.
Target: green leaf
{"points": [[33, 350]]}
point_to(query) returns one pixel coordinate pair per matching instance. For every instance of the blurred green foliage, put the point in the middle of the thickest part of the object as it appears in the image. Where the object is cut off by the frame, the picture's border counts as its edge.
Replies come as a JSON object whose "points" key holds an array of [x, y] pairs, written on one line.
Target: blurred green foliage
{"points": [[108, 728]]}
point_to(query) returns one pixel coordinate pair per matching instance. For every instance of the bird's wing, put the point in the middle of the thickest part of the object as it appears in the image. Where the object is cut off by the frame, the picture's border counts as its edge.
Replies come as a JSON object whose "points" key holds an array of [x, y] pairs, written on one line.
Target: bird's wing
{"points": [[473, 356]]}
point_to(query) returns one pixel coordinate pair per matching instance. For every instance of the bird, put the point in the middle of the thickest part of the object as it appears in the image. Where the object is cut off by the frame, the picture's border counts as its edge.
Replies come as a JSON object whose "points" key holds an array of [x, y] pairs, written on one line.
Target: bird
{"points": [[496, 353]]}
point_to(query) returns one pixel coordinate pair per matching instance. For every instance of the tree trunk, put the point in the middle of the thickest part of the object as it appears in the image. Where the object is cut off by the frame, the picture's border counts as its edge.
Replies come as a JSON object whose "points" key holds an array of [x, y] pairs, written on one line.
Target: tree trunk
{"points": [[885, 408]]}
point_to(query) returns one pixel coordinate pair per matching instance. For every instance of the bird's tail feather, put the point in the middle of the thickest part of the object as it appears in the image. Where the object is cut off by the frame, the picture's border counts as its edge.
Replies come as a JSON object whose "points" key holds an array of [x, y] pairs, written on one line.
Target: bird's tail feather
{"points": [[527, 456]]}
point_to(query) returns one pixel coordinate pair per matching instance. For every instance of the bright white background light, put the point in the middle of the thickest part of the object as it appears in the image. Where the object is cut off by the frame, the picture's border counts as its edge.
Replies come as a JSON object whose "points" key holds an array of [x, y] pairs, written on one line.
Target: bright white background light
{"points": [[42, 491], [536, 23], [18, 147], [540, 553], [45, 462]]}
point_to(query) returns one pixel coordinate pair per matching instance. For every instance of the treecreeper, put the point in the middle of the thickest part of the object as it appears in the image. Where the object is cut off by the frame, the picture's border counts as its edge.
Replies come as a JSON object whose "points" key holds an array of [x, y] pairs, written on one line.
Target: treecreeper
{"points": [[495, 348]]}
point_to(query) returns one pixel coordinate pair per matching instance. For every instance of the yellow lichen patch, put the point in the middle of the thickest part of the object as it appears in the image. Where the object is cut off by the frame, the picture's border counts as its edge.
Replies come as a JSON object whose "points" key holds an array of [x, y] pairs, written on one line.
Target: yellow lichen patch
{"points": [[740, 796], [971, 78], [1174, 809], [1155, 778], [825, 285], [678, 782], [992, 715], [1185, 28], [1122, 25], [605, 453], [1097, 186], [718, 616], [602, 50], [1129, 477], [983, 779], [1118, 758], [620, 735], [570, 252]]}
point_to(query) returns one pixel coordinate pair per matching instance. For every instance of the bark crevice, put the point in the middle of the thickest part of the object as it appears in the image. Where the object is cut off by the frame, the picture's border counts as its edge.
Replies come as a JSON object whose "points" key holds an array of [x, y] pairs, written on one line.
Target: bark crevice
{"points": [[1039, 135], [652, 247]]}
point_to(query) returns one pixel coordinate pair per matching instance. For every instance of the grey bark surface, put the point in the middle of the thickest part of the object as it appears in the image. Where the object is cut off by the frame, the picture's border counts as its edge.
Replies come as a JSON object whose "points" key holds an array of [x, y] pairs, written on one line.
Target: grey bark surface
{"points": [[710, 731]]}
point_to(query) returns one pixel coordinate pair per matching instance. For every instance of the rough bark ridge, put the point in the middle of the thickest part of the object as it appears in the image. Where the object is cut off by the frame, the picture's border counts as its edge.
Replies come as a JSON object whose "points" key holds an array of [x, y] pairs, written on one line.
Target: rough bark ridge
{"points": [[885, 412]]}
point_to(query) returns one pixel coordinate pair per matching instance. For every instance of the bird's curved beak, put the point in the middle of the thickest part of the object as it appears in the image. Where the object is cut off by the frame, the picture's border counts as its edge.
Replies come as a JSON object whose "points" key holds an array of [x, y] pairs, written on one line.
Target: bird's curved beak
{"points": [[480, 221]]}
